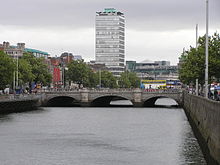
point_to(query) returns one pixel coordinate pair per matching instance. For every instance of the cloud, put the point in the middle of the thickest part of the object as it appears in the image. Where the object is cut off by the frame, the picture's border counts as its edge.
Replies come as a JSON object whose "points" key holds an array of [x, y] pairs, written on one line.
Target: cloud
{"points": [[54, 41], [140, 45], [155, 29], [140, 14]]}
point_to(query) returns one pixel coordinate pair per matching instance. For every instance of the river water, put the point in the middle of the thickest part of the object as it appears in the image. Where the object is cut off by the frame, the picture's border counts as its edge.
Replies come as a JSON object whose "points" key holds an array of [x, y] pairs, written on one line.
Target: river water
{"points": [[98, 136]]}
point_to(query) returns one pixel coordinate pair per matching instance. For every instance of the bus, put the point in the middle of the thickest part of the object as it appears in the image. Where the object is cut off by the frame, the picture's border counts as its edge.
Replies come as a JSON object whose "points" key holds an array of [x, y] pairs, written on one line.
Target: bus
{"points": [[173, 83], [154, 84]]}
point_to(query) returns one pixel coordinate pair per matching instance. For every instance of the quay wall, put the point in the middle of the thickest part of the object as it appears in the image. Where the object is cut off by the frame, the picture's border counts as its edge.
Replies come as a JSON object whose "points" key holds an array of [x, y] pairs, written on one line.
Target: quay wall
{"points": [[10, 105], [204, 116]]}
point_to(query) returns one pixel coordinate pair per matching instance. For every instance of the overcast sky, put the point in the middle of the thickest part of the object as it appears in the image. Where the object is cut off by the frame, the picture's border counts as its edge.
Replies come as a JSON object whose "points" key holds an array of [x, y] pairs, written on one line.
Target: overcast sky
{"points": [[155, 29]]}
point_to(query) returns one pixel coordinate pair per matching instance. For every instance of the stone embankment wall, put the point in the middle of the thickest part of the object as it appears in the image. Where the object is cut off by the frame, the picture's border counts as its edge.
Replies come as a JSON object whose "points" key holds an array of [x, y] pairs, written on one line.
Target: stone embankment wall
{"points": [[204, 115], [10, 104]]}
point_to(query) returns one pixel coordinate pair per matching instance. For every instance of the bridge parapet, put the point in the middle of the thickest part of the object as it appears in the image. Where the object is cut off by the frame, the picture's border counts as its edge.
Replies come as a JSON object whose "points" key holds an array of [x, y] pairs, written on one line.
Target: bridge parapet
{"points": [[103, 90]]}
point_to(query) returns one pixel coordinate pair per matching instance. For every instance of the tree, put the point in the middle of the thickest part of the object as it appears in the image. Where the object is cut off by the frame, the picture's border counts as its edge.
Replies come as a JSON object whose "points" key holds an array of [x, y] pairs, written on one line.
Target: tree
{"points": [[79, 72], [129, 80], [192, 65], [25, 72], [134, 80], [108, 80], [93, 79], [39, 70], [7, 68]]}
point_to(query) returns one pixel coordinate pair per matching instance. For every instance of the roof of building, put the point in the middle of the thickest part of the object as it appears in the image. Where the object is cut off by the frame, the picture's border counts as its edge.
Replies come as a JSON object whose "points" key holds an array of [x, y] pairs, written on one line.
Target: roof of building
{"points": [[147, 61], [35, 51], [110, 11]]}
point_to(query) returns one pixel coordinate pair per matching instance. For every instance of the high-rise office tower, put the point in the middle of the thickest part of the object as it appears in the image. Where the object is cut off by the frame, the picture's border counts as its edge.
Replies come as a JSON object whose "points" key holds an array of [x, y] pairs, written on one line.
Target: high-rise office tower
{"points": [[110, 40]]}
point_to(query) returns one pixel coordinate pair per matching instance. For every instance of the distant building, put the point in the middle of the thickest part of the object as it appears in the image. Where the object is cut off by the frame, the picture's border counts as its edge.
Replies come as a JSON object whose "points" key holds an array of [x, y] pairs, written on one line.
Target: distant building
{"points": [[131, 66], [58, 66], [110, 40], [37, 53], [157, 70], [77, 57], [57, 77], [13, 51], [19, 50], [66, 58], [97, 67], [162, 63], [56, 71]]}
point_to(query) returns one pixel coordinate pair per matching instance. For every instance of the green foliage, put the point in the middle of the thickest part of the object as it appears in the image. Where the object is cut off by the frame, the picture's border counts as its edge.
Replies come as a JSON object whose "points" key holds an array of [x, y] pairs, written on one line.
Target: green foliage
{"points": [[34, 69], [25, 72], [193, 61], [7, 68], [129, 80], [108, 80], [80, 73], [93, 79]]}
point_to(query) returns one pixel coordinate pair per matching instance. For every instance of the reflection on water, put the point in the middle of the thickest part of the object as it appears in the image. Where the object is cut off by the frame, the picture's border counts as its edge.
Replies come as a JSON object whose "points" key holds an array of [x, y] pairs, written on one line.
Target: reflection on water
{"points": [[92, 136], [161, 101], [166, 102], [121, 102]]}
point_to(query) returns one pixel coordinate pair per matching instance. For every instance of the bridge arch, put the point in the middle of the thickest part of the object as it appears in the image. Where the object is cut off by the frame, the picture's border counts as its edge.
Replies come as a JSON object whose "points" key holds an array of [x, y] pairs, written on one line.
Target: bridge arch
{"points": [[151, 101], [62, 101], [105, 100]]}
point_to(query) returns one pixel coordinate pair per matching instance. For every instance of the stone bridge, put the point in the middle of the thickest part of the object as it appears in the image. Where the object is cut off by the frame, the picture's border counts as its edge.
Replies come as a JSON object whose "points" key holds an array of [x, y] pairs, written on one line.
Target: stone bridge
{"points": [[103, 97]]}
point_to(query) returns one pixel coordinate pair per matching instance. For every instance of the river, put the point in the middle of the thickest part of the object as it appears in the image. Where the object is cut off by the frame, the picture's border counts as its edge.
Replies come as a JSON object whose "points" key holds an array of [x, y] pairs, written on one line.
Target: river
{"points": [[98, 136]]}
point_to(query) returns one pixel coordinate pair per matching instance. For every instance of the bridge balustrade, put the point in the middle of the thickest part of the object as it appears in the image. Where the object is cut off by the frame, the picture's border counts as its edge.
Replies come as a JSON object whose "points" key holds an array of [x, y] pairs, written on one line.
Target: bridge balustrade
{"points": [[107, 90]]}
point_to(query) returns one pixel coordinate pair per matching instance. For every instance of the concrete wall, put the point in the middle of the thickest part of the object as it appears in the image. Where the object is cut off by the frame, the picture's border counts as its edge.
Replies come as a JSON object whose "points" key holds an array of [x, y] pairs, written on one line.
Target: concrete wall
{"points": [[205, 117]]}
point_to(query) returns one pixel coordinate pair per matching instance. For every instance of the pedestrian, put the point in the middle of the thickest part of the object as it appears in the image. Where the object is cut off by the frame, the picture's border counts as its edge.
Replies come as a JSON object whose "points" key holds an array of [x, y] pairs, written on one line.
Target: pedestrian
{"points": [[215, 94]]}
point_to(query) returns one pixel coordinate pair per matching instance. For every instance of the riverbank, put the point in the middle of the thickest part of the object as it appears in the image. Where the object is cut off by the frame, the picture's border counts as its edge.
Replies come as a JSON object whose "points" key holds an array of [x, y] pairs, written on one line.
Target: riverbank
{"points": [[204, 117], [11, 104]]}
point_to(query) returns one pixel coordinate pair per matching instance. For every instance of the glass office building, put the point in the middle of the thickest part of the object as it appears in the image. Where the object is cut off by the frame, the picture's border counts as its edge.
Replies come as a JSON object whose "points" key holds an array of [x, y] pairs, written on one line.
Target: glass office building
{"points": [[110, 40]]}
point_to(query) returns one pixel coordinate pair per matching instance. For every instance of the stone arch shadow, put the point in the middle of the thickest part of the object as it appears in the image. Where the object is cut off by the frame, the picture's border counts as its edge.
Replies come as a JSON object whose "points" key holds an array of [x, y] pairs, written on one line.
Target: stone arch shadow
{"points": [[62, 101], [105, 100], [150, 102]]}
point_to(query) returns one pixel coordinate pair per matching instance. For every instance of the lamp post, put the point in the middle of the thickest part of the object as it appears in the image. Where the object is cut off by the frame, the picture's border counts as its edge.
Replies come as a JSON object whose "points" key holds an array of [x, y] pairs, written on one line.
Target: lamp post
{"points": [[17, 71], [206, 49], [196, 36], [197, 84], [14, 76], [100, 79], [64, 76]]}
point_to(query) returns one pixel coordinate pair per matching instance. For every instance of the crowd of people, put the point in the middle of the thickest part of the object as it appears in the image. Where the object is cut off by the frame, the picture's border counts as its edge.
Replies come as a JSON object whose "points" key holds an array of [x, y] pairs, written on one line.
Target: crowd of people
{"points": [[213, 91]]}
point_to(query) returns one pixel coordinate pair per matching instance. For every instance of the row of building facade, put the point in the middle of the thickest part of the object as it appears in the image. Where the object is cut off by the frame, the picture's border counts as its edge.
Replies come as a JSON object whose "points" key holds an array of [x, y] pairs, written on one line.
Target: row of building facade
{"points": [[56, 65], [157, 70]]}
